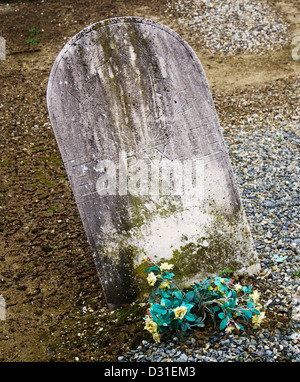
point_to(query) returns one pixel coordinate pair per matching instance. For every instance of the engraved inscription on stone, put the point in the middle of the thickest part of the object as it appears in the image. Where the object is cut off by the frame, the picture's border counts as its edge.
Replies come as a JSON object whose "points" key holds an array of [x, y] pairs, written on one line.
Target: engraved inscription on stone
{"points": [[140, 139]]}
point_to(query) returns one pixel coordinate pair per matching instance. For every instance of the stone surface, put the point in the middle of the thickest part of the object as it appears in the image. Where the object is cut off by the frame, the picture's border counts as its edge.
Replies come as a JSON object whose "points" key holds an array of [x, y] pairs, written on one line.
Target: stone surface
{"points": [[2, 48], [2, 308], [140, 139]]}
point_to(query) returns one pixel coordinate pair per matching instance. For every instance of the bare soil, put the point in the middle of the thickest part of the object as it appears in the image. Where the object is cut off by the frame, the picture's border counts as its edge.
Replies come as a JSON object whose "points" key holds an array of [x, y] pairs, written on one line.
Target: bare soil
{"points": [[55, 309]]}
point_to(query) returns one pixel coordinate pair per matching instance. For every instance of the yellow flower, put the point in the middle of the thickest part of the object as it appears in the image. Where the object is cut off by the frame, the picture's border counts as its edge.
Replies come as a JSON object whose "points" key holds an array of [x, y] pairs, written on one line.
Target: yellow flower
{"points": [[257, 320], [151, 326], [180, 312], [229, 329], [255, 295], [156, 337], [237, 287], [151, 279], [166, 266], [164, 285]]}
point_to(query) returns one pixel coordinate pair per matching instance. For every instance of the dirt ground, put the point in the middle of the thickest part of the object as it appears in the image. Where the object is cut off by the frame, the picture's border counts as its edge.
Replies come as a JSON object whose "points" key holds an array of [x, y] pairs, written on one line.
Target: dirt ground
{"points": [[55, 310]]}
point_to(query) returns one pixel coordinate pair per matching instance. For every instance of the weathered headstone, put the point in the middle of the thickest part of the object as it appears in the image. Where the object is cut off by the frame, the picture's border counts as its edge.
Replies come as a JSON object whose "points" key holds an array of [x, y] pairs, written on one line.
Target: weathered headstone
{"points": [[140, 139]]}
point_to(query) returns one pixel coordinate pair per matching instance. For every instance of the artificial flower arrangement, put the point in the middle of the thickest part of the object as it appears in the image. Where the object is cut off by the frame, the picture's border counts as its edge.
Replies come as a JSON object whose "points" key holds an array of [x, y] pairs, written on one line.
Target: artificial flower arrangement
{"points": [[172, 309]]}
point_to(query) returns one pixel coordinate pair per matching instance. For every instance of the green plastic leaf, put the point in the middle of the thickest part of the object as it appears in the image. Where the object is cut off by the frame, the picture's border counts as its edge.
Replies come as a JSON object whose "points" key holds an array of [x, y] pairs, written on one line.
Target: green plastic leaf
{"points": [[166, 302], [184, 326], [177, 303], [223, 323], [168, 275], [158, 309], [178, 295], [165, 294], [233, 294], [248, 314], [221, 315], [189, 306], [240, 326], [199, 322], [172, 315], [190, 317], [214, 309], [190, 296], [163, 328], [151, 269]]}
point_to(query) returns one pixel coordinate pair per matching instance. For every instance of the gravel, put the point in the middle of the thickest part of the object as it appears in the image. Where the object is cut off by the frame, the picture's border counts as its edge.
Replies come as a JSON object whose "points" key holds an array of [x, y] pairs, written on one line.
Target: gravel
{"points": [[231, 26]]}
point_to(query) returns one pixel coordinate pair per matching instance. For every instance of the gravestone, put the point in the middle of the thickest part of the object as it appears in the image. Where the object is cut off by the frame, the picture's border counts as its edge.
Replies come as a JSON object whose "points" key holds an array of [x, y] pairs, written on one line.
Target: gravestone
{"points": [[140, 139]]}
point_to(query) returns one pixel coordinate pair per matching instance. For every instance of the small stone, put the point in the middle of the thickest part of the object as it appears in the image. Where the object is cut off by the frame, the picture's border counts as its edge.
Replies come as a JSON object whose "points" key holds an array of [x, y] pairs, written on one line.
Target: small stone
{"points": [[183, 358]]}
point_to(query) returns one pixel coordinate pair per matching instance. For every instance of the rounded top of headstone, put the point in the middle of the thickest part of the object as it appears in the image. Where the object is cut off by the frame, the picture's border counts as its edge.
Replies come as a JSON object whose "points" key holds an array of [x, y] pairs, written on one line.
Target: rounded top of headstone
{"points": [[126, 21], [133, 75], [143, 28]]}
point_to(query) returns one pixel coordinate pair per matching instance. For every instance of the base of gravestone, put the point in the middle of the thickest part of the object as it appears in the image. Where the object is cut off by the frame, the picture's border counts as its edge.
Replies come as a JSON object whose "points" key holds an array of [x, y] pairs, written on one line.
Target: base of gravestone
{"points": [[217, 243]]}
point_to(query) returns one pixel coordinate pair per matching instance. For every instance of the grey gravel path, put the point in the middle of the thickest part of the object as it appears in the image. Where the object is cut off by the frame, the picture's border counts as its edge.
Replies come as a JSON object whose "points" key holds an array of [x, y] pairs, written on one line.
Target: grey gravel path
{"points": [[231, 26]]}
